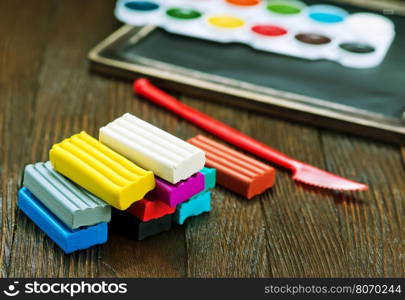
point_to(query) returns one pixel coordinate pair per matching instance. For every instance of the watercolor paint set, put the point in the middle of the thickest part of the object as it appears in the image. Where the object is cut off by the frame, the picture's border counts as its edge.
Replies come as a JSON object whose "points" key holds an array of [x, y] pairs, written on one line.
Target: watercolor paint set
{"points": [[288, 27], [137, 175]]}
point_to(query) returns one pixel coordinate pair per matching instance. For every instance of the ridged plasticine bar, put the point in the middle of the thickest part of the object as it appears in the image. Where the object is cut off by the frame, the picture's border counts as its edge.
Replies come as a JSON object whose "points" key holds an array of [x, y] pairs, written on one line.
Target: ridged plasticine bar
{"points": [[235, 171], [69, 240], [169, 157], [174, 194], [197, 205], [71, 203], [101, 171], [146, 210]]}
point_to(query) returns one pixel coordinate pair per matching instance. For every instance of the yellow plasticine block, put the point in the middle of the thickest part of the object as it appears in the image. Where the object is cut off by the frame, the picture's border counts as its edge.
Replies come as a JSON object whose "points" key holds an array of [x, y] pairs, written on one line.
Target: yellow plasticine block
{"points": [[101, 171]]}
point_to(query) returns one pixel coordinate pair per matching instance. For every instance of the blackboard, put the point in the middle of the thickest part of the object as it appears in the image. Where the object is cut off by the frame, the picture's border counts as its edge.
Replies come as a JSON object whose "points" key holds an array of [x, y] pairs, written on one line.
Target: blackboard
{"points": [[372, 95]]}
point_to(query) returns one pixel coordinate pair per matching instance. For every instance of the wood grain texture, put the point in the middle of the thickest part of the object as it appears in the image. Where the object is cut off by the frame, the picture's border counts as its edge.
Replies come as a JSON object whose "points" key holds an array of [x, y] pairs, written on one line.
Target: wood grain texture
{"points": [[20, 30], [61, 78], [212, 238], [372, 229], [162, 255], [47, 94]]}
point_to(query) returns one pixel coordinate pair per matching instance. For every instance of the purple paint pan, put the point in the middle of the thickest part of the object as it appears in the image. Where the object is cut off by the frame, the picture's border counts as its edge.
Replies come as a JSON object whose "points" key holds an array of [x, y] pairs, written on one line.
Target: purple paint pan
{"points": [[173, 194]]}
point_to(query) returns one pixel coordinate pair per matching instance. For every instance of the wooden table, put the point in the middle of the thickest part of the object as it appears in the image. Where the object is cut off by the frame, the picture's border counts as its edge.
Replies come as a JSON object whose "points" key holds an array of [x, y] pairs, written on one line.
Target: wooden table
{"points": [[47, 93]]}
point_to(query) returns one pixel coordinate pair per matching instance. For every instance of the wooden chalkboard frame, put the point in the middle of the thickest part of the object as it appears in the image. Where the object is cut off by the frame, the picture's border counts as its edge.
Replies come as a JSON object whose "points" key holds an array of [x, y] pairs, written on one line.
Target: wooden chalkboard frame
{"points": [[258, 98]]}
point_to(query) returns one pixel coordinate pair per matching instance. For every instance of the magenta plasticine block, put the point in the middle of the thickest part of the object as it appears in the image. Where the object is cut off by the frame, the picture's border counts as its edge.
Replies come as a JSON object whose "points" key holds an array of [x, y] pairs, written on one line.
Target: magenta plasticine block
{"points": [[173, 194]]}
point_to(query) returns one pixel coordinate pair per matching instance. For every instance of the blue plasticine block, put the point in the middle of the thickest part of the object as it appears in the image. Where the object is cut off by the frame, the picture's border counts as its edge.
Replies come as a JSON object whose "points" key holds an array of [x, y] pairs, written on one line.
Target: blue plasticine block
{"points": [[210, 178], [197, 205], [69, 240]]}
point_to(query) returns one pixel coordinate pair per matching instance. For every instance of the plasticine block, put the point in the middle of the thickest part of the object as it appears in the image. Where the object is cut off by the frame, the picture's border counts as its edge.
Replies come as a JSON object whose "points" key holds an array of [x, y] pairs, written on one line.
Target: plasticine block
{"points": [[152, 227], [101, 171], [72, 204], [235, 171], [197, 205], [169, 157], [146, 210], [67, 239], [173, 194], [127, 223], [210, 178]]}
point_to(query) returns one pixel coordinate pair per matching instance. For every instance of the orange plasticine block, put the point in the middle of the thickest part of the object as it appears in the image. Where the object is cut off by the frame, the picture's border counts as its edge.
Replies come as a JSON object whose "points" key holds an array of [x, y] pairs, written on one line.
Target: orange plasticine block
{"points": [[236, 171]]}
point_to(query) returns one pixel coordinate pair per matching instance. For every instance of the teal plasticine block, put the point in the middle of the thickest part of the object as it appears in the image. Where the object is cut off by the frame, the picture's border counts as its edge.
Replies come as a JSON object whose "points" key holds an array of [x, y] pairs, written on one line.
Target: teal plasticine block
{"points": [[197, 205], [210, 178], [72, 204]]}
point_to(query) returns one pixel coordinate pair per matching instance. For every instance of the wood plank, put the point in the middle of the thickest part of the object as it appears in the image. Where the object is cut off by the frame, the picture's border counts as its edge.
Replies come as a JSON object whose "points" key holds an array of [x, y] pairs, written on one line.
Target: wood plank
{"points": [[371, 231], [22, 32], [295, 213], [58, 112], [79, 101], [67, 100], [231, 240], [308, 234]]}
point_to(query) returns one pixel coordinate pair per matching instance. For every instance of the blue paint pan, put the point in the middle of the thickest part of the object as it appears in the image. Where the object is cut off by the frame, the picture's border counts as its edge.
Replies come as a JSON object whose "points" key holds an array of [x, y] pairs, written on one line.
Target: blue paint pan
{"points": [[328, 14]]}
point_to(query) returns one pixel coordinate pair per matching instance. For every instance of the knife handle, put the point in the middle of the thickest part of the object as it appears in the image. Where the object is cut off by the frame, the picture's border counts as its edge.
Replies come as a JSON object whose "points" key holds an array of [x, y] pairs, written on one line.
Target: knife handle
{"points": [[143, 87]]}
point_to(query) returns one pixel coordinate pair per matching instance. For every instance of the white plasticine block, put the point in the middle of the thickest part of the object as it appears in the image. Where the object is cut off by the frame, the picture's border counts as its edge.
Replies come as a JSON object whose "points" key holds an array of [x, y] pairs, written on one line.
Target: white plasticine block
{"points": [[152, 148], [72, 204]]}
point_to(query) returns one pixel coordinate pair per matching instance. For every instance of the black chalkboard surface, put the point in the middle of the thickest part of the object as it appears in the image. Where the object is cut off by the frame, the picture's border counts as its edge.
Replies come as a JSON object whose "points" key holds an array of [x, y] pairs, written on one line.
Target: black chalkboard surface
{"points": [[367, 101]]}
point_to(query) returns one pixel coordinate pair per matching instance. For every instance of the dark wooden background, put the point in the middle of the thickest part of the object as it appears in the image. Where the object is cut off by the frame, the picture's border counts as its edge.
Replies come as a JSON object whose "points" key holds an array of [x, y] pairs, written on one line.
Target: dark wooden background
{"points": [[47, 94]]}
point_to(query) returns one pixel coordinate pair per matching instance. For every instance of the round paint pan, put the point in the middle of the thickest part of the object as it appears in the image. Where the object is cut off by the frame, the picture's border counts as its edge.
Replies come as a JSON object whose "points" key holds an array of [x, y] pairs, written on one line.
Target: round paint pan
{"points": [[357, 47], [184, 20], [248, 8], [285, 8], [327, 14], [313, 45], [359, 55], [271, 37], [313, 39], [226, 22], [183, 13], [269, 30], [226, 27], [141, 6], [244, 3], [137, 12]]}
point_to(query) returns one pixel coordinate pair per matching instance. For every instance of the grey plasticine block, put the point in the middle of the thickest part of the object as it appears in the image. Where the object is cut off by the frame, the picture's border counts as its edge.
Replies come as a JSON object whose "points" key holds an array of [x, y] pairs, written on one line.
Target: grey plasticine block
{"points": [[72, 204]]}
